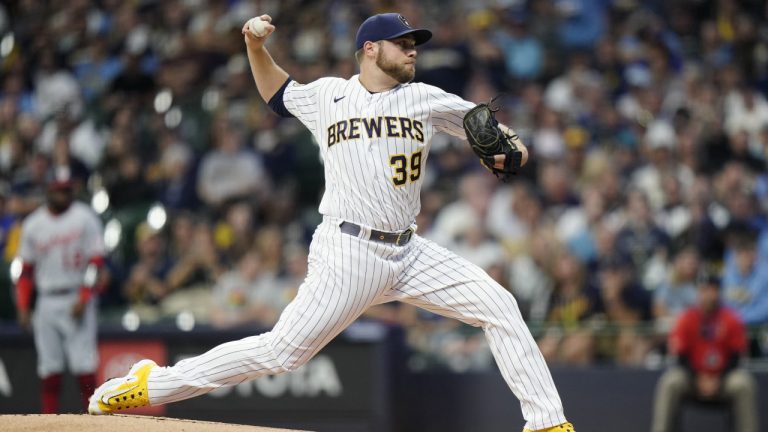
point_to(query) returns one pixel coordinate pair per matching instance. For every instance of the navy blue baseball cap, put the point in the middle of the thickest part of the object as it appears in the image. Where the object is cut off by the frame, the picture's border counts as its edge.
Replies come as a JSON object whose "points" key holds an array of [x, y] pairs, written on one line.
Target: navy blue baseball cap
{"points": [[388, 26]]}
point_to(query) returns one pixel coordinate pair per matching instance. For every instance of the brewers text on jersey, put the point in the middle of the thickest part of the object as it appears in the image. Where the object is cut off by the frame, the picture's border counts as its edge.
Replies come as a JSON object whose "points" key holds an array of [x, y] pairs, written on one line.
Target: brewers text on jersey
{"points": [[393, 127]]}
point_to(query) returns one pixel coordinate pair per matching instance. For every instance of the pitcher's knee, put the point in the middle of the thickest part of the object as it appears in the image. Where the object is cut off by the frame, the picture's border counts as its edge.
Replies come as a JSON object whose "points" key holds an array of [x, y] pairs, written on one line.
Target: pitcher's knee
{"points": [[289, 364], [288, 357]]}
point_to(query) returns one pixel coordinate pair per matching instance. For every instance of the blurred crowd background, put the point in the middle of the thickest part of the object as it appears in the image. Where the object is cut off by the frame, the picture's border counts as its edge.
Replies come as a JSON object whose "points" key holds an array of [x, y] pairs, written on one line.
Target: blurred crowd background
{"points": [[647, 122]]}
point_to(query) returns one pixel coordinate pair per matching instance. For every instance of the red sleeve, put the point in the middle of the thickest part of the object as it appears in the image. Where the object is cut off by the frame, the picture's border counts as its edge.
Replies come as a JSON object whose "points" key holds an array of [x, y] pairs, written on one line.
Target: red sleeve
{"points": [[24, 287], [678, 340]]}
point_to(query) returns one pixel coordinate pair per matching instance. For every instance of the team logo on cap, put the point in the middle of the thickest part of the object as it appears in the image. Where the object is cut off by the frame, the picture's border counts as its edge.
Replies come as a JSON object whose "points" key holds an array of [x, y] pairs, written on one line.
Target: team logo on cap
{"points": [[404, 21]]}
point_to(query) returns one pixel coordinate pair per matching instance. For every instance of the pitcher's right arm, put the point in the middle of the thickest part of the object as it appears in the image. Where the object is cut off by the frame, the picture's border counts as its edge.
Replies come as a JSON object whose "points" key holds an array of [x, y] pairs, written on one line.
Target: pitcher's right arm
{"points": [[268, 75]]}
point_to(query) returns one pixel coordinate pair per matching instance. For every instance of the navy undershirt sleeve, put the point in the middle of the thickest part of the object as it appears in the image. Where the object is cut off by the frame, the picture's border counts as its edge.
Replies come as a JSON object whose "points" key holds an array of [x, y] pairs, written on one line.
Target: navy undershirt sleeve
{"points": [[276, 103]]}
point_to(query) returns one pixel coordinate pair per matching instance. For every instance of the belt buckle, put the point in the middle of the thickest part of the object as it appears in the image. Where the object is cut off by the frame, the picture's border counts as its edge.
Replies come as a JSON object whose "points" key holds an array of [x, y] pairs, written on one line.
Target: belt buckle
{"points": [[409, 231]]}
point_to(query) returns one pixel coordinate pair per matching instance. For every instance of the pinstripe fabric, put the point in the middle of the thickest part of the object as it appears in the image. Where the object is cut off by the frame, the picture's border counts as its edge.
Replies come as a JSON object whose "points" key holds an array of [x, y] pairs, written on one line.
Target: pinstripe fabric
{"points": [[348, 274], [438, 280]]}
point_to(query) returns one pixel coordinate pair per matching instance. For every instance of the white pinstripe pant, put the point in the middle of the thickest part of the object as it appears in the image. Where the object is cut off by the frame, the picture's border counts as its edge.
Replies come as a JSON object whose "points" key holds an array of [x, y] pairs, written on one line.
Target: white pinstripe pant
{"points": [[346, 276]]}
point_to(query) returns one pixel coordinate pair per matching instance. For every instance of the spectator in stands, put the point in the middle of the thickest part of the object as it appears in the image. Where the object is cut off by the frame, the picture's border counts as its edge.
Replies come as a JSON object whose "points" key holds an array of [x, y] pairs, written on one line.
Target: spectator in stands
{"points": [[674, 216], [678, 292], [146, 282], [270, 243], [577, 79], [84, 137], [28, 183], [745, 278], [196, 261], [246, 295], [468, 210], [576, 226], [479, 248], [739, 151], [604, 237], [55, 87], [447, 60], [132, 85], [236, 232], [229, 172], [96, 68], [644, 242], [523, 53], [12, 152], [530, 275], [295, 257], [702, 232], [16, 92], [569, 338], [582, 22], [513, 213], [182, 234], [746, 112], [660, 145], [129, 187], [626, 304], [177, 175], [732, 179], [708, 342], [612, 187], [557, 189]]}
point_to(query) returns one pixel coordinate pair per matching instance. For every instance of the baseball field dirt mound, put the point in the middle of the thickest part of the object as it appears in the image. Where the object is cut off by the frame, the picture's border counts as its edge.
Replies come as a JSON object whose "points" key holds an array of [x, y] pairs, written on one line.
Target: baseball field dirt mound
{"points": [[116, 423]]}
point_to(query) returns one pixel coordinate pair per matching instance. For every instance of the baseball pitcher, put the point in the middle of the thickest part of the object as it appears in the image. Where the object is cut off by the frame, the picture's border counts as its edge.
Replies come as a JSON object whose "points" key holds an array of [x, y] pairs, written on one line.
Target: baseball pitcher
{"points": [[374, 131]]}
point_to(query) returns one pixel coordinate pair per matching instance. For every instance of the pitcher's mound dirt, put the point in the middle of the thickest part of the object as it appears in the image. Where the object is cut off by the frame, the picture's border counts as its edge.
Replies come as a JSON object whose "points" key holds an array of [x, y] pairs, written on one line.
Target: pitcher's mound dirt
{"points": [[116, 423]]}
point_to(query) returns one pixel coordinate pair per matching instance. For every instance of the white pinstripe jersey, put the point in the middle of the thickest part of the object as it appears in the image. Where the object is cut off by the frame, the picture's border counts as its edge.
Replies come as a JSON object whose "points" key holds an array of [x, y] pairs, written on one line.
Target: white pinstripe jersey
{"points": [[374, 145], [60, 246]]}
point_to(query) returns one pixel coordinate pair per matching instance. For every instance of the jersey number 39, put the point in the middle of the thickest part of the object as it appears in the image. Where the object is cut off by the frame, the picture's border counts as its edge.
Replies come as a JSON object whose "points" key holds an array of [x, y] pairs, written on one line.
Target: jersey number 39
{"points": [[407, 167]]}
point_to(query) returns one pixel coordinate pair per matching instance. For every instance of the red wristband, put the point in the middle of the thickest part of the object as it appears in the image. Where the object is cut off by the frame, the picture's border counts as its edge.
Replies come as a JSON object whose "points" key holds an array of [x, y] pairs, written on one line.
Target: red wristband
{"points": [[24, 287], [85, 294]]}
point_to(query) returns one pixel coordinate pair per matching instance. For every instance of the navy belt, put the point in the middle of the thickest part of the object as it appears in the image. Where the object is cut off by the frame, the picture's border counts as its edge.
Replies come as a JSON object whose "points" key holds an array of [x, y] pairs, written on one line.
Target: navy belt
{"points": [[396, 238]]}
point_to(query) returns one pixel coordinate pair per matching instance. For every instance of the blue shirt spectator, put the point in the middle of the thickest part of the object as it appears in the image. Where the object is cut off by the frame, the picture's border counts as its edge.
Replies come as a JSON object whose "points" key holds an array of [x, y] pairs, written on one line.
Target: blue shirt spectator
{"points": [[675, 297], [678, 291], [583, 22], [745, 282], [96, 70], [523, 54]]}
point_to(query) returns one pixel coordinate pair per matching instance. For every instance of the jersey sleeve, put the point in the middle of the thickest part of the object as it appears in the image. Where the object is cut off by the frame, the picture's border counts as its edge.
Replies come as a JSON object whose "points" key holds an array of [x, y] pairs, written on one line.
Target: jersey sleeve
{"points": [[447, 111], [302, 100], [94, 237], [27, 245]]}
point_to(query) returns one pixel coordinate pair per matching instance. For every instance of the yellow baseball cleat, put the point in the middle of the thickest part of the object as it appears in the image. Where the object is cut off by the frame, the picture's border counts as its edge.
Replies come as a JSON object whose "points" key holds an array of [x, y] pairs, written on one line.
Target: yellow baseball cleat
{"points": [[565, 427], [123, 393]]}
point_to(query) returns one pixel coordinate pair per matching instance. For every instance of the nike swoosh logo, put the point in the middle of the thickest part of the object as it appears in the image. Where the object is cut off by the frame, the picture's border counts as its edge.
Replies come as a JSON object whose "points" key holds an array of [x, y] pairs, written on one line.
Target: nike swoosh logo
{"points": [[107, 396], [118, 392], [335, 99]]}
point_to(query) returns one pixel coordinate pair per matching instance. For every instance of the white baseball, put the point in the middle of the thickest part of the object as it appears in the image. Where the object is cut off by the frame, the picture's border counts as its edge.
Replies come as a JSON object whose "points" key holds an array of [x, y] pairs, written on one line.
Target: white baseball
{"points": [[257, 26]]}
